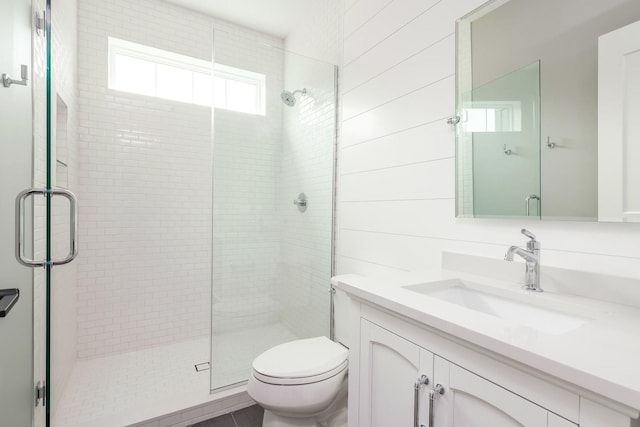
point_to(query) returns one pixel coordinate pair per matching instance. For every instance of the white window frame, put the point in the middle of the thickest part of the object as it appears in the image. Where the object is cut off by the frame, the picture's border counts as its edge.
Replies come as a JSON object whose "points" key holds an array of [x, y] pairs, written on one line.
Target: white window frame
{"points": [[162, 57]]}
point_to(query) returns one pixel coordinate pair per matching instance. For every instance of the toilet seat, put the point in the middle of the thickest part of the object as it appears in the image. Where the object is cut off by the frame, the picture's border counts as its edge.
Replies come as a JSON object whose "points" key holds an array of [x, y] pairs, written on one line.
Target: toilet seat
{"points": [[301, 362], [300, 380]]}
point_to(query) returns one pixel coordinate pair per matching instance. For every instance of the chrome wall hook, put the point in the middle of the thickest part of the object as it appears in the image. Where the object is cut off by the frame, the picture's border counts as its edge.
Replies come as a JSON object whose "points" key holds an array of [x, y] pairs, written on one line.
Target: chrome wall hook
{"points": [[528, 199], [506, 150], [301, 202], [453, 120], [550, 144], [7, 81]]}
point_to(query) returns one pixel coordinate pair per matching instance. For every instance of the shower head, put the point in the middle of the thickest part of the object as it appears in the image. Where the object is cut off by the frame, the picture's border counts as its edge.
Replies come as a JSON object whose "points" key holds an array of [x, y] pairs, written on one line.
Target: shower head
{"points": [[289, 98]]}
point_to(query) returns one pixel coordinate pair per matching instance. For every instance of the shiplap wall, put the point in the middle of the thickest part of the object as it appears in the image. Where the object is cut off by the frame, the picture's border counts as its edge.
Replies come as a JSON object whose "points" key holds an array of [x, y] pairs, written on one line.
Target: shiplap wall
{"points": [[396, 208]]}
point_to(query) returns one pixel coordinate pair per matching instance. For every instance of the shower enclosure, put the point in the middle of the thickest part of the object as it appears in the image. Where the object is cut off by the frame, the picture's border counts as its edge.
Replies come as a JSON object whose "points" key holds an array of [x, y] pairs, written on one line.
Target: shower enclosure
{"points": [[187, 163], [272, 258]]}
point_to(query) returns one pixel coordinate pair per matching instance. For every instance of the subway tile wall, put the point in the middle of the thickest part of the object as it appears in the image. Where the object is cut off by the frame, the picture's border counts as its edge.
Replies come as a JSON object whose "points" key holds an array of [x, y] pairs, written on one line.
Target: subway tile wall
{"points": [[397, 160], [144, 270]]}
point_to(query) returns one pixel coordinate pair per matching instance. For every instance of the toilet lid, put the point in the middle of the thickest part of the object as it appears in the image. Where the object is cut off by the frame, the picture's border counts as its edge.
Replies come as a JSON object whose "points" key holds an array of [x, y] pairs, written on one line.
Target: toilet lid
{"points": [[301, 358]]}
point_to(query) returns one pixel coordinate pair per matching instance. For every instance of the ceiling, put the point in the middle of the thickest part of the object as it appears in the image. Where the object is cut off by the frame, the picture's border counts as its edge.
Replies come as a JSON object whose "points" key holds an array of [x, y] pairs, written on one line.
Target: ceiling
{"points": [[276, 17]]}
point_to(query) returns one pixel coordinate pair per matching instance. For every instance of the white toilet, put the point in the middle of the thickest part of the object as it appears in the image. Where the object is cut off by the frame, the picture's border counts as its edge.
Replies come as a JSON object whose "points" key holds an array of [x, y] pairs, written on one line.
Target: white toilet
{"points": [[302, 383]]}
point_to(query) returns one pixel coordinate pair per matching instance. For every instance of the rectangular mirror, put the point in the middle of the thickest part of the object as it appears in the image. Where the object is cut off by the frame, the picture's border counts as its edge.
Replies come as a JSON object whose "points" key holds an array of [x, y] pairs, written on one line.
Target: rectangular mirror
{"points": [[532, 130]]}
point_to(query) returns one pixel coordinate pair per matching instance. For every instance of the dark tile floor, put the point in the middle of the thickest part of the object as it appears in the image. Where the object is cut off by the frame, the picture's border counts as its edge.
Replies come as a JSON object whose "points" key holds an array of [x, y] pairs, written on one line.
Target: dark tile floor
{"points": [[247, 417]]}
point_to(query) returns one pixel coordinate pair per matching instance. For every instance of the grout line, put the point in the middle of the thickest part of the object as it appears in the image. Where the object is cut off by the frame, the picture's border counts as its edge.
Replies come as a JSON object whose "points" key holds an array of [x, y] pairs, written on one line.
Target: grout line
{"points": [[234, 420]]}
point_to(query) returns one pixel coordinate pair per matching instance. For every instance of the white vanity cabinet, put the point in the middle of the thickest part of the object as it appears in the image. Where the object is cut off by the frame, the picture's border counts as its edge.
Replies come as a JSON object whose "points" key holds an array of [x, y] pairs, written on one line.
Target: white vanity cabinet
{"points": [[391, 368], [389, 353], [472, 401]]}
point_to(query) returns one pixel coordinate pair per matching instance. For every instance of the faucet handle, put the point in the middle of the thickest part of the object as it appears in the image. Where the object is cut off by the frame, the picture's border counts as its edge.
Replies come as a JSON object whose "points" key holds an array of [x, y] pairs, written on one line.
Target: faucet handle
{"points": [[533, 243], [528, 234]]}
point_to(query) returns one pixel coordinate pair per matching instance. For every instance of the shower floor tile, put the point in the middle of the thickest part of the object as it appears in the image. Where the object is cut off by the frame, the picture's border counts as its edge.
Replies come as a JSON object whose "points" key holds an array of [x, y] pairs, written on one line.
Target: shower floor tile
{"points": [[114, 390], [234, 351]]}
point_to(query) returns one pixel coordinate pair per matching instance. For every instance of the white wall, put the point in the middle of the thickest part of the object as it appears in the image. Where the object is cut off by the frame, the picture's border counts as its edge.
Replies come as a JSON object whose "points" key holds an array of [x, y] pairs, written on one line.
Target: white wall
{"points": [[145, 249], [396, 207]]}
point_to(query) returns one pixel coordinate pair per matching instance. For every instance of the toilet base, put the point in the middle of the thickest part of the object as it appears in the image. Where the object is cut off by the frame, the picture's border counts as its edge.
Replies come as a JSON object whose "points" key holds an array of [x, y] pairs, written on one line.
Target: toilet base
{"points": [[337, 419], [272, 420]]}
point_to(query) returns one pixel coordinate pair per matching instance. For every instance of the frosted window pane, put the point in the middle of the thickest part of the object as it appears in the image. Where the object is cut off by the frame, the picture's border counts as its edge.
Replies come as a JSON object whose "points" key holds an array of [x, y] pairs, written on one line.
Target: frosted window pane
{"points": [[174, 83], [242, 96], [219, 92], [134, 75], [202, 89]]}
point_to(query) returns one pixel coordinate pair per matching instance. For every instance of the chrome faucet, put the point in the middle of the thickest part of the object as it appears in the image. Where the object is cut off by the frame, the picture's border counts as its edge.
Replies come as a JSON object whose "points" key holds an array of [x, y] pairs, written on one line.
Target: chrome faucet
{"points": [[531, 255]]}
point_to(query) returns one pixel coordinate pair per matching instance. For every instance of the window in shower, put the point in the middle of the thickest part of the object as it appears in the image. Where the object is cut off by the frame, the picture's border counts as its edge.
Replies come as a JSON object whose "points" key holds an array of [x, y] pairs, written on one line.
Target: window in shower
{"points": [[144, 70]]}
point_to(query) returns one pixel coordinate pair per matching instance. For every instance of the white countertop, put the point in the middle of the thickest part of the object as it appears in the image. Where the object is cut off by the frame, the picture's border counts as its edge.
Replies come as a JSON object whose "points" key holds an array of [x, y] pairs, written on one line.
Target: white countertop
{"points": [[602, 355]]}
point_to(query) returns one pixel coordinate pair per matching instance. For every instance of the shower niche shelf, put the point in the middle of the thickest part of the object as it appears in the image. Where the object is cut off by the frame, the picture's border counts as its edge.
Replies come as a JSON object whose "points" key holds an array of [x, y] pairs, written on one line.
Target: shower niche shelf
{"points": [[8, 298]]}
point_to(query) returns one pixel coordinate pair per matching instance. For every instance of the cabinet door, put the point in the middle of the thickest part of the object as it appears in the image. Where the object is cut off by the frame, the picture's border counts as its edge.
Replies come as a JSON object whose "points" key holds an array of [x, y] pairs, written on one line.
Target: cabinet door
{"points": [[389, 368], [472, 401]]}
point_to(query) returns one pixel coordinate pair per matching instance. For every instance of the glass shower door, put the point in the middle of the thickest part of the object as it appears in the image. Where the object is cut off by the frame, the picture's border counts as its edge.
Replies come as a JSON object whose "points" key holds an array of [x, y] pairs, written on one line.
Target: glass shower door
{"points": [[272, 203], [19, 348]]}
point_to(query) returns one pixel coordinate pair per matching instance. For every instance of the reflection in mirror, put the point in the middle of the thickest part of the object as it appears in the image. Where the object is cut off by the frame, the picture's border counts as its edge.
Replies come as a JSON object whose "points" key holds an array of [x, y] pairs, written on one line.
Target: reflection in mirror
{"points": [[499, 136], [554, 175]]}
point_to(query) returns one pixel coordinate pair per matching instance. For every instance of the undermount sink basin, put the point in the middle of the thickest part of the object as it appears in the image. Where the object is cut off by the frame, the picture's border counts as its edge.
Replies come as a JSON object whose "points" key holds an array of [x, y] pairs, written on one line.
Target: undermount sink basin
{"points": [[517, 309]]}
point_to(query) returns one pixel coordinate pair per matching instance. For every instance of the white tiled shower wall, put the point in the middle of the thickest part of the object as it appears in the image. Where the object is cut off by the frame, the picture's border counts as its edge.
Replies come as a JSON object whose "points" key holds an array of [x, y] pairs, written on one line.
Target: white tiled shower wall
{"points": [[145, 265], [396, 209]]}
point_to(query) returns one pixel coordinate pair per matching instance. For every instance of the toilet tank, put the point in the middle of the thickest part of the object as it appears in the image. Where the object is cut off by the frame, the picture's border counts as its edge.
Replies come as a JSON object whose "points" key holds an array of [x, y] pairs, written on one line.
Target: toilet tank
{"points": [[342, 304]]}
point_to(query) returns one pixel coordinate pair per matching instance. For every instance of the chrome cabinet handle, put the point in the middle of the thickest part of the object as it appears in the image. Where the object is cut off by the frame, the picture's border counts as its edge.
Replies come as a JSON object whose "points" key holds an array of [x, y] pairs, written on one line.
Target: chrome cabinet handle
{"points": [[422, 380], [73, 225], [433, 393]]}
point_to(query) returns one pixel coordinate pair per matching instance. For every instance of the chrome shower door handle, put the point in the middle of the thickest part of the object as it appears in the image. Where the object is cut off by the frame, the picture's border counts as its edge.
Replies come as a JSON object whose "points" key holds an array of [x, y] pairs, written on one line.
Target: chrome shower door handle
{"points": [[73, 226], [528, 200], [20, 199]]}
